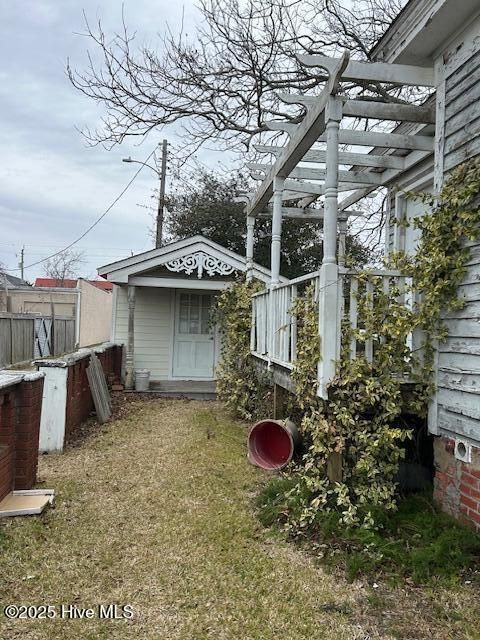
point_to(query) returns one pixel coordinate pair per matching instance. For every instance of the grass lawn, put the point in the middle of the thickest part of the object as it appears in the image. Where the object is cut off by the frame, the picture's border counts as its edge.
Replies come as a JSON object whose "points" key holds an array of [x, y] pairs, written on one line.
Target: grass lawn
{"points": [[156, 511]]}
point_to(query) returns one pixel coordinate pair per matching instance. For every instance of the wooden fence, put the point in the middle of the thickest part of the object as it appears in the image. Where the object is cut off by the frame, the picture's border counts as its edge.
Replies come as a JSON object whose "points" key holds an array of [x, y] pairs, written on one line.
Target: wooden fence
{"points": [[24, 337]]}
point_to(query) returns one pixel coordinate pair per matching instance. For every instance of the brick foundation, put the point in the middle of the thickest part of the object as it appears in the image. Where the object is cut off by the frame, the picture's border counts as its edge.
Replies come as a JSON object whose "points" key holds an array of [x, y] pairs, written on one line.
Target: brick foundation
{"points": [[20, 410], [456, 483]]}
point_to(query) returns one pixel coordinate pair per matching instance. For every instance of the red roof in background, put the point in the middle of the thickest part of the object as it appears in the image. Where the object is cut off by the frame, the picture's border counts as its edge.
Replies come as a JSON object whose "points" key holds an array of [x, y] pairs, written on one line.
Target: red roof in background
{"points": [[71, 284]]}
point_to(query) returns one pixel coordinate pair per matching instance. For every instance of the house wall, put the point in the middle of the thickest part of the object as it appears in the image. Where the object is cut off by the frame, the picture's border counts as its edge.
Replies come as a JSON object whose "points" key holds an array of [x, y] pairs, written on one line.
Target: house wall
{"points": [[153, 328], [454, 414], [459, 88], [154, 320], [95, 314], [40, 301]]}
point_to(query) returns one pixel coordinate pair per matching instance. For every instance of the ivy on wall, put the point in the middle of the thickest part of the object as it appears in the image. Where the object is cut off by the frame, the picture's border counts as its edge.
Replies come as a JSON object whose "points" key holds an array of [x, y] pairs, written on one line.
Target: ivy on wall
{"points": [[245, 389], [354, 439]]}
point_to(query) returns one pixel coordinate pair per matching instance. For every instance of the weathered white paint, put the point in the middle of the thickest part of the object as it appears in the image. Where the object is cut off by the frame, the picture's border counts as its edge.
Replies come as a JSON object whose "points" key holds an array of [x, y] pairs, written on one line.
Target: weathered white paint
{"points": [[278, 185], [454, 409], [367, 109], [123, 271], [304, 173], [54, 405], [344, 157], [249, 244], [374, 71]]}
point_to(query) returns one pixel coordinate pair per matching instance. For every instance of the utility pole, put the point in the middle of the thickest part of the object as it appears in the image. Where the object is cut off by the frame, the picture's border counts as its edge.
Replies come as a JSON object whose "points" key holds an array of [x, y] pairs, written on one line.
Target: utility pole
{"points": [[22, 262], [161, 198]]}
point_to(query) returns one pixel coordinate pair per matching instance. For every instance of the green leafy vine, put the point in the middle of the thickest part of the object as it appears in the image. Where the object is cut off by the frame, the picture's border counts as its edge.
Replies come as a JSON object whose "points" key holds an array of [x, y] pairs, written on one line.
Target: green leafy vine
{"points": [[354, 440], [245, 389]]}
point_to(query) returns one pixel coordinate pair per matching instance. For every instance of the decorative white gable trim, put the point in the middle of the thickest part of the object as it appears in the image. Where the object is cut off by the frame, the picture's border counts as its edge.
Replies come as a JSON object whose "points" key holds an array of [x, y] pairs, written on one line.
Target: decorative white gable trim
{"points": [[219, 260], [200, 261]]}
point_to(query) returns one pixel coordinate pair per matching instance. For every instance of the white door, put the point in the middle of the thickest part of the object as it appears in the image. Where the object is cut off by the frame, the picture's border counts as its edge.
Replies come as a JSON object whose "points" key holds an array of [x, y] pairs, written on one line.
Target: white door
{"points": [[194, 336]]}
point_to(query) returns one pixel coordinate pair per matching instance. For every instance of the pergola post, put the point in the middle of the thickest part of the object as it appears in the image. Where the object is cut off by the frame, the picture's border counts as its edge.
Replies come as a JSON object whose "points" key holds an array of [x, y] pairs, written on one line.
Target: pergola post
{"points": [[329, 289], [249, 246], [278, 185], [342, 237], [130, 353]]}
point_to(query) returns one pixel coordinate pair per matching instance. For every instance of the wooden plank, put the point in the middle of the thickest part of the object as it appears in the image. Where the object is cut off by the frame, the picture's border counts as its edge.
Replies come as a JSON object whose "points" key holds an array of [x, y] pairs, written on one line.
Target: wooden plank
{"points": [[293, 325], [353, 315], [5, 342], [458, 86], [375, 71], [463, 134], [462, 117], [366, 138], [369, 341], [371, 109], [456, 108], [344, 157], [385, 140], [303, 173], [99, 389], [457, 424]]}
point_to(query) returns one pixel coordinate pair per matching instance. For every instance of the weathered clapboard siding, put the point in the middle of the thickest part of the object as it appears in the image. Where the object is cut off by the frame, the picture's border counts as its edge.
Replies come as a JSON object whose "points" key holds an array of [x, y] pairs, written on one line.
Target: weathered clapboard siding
{"points": [[462, 113], [458, 376], [153, 331]]}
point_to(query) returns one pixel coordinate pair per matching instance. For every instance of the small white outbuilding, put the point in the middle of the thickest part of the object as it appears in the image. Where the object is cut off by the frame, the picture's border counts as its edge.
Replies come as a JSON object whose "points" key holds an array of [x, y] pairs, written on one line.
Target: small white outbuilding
{"points": [[162, 301]]}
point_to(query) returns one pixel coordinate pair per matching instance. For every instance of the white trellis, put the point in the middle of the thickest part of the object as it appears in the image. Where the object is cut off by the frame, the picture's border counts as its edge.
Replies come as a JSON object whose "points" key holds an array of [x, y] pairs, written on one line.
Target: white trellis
{"points": [[361, 172]]}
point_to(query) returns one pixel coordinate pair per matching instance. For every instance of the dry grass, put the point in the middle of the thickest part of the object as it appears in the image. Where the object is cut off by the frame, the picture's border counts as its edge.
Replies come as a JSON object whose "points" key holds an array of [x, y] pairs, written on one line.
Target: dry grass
{"points": [[155, 511]]}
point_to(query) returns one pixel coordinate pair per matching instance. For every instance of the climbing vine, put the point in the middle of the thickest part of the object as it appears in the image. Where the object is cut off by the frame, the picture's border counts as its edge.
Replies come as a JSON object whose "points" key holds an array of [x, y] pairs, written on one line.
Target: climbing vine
{"points": [[354, 440], [241, 385]]}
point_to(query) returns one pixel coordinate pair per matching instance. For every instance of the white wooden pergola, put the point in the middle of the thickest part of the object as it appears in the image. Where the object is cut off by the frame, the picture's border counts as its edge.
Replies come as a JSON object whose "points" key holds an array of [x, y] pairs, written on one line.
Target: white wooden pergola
{"points": [[382, 159]]}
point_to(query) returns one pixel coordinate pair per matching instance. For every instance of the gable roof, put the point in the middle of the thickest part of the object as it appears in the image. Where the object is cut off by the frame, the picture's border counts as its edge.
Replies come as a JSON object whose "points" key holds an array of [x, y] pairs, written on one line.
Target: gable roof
{"points": [[8, 281], [120, 270]]}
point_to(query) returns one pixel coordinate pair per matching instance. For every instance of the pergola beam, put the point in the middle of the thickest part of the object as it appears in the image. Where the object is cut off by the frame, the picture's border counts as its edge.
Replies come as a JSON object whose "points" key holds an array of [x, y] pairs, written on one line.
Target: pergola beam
{"points": [[365, 138], [371, 109], [385, 140], [388, 178], [375, 71], [319, 174], [344, 157], [301, 140], [308, 213]]}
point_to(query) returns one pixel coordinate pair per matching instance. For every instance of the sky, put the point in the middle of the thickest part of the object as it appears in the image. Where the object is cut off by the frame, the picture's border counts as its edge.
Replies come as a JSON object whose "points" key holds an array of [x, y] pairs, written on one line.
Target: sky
{"points": [[52, 184]]}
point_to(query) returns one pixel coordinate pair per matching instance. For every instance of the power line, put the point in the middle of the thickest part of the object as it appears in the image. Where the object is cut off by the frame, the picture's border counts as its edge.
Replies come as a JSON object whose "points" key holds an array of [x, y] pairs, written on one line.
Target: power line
{"points": [[94, 224]]}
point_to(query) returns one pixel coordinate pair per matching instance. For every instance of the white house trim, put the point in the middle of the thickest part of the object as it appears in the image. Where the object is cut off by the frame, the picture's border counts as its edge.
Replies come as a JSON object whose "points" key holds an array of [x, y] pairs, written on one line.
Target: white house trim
{"points": [[122, 271]]}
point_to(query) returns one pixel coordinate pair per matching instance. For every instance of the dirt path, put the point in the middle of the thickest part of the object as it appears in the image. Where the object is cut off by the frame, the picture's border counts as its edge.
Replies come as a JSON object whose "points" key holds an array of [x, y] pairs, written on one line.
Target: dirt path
{"points": [[154, 512]]}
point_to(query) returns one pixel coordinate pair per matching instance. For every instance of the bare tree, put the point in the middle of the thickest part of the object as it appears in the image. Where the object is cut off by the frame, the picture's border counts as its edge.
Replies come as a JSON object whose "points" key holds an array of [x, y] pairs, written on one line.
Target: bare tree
{"points": [[63, 266], [222, 85]]}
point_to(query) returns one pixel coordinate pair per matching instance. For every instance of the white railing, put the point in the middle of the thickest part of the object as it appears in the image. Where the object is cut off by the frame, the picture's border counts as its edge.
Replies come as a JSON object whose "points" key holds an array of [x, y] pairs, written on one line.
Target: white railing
{"points": [[353, 287], [274, 325]]}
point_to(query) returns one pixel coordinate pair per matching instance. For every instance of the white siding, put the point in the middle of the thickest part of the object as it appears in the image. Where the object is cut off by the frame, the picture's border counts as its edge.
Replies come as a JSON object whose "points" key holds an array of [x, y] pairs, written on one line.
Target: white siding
{"points": [[457, 406], [459, 361], [153, 329]]}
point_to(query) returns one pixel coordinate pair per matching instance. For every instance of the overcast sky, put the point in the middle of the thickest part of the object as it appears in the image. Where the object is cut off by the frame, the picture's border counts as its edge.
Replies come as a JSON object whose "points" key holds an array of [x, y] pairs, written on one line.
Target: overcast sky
{"points": [[52, 185]]}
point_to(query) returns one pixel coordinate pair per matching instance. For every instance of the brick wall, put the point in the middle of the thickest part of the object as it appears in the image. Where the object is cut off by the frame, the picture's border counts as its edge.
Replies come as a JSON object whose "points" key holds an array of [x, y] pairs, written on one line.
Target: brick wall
{"points": [[28, 413], [79, 398], [456, 483], [20, 409]]}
